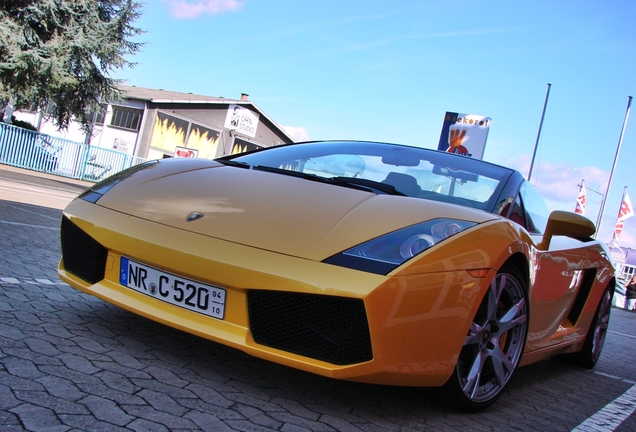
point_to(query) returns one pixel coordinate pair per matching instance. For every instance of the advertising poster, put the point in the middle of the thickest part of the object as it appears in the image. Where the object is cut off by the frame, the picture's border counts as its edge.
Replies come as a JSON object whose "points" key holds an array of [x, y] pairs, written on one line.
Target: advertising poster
{"points": [[169, 138], [184, 152], [168, 132], [204, 140], [241, 146], [241, 120], [464, 134]]}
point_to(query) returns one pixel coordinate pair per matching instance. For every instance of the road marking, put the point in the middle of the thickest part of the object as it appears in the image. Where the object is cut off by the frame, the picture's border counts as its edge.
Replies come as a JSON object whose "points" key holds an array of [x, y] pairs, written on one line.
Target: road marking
{"points": [[622, 334], [615, 377], [45, 281], [9, 280], [38, 281], [611, 415], [29, 225]]}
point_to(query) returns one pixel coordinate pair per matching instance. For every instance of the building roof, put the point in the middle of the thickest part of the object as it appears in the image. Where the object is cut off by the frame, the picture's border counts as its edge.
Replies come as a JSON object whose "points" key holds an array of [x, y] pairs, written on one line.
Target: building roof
{"points": [[167, 96]]}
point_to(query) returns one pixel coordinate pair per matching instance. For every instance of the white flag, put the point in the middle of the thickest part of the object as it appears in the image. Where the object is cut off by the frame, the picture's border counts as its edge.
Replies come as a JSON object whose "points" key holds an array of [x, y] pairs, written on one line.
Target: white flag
{"points": [[580, 201], [626, 211]]}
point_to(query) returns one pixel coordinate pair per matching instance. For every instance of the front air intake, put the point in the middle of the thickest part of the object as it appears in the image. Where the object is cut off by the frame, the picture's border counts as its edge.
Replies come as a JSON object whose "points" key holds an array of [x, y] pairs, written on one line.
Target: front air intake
{"points": [[327, 328], [82, 255]]}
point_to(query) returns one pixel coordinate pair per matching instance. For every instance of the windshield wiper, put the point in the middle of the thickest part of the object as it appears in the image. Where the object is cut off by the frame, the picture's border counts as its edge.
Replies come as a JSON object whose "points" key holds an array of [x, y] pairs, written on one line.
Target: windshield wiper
{"points": [[351, 182], [365, 183], [286, 172], [230, 162]]}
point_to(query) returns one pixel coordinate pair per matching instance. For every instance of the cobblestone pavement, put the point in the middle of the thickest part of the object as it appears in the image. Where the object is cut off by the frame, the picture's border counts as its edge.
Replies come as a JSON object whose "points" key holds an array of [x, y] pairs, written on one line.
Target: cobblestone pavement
{"points": [[69, 361]]}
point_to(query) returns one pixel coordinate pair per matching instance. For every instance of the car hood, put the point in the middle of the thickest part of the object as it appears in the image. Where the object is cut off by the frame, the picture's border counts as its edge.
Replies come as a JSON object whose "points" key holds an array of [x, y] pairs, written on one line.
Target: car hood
{"points": [[272, 211]]}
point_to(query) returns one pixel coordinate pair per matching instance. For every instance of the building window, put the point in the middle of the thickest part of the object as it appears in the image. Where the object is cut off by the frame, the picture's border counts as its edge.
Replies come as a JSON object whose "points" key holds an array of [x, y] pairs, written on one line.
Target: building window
{"points": [[100, 114], [50, 108], [126, 118], [97, 117]]}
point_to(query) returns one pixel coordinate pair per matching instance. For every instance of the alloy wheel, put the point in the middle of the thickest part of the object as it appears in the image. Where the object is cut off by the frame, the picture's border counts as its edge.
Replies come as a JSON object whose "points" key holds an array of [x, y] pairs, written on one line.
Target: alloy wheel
{"points": [[495, 341]]}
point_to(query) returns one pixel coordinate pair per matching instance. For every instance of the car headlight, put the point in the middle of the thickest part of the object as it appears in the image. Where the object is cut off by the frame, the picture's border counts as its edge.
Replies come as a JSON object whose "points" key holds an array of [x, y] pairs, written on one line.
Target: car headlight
{"points": [[95, 192], [384, 253]]}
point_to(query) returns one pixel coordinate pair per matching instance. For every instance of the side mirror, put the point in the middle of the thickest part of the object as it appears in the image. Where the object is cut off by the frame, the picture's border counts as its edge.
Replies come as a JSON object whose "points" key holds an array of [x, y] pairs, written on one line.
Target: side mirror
{"points": [[568, 224]]}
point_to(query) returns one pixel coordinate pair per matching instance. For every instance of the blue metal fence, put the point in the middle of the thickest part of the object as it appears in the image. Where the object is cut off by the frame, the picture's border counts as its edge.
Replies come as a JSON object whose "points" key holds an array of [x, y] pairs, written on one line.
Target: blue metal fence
{"points": [[39, 152]]}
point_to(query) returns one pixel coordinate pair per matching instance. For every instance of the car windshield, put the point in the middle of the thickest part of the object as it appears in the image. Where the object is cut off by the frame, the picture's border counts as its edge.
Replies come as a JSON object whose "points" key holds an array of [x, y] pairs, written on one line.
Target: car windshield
{"points": [[409, 171]]}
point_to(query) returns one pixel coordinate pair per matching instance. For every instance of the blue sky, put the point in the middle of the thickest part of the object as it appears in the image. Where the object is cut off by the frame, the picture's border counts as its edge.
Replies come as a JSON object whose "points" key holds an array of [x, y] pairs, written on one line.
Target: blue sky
{"points": [[389, 70]]}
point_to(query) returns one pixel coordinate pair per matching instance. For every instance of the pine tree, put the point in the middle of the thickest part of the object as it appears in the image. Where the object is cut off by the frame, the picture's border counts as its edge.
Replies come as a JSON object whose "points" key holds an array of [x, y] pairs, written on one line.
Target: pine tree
{"points": [[63, 52]]}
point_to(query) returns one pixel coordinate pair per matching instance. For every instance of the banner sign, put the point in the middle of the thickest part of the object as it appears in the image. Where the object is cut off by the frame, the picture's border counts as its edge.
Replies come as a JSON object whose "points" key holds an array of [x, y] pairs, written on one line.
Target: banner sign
{"points": [[626, 211], [241, 120], [184, 152], [464, 134], [581, 201]]}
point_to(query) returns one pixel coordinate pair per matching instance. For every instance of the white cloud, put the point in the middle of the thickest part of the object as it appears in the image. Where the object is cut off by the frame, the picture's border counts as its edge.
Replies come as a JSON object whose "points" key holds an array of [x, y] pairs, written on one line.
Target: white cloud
{"points": [[557, 183], [297, 133], [560, 182], [187, 9]]}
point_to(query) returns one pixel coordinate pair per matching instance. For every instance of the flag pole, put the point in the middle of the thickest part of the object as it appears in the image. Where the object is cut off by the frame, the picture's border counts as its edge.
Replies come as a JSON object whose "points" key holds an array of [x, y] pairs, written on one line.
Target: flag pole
{"points": [[618, 150], [536, 144]]}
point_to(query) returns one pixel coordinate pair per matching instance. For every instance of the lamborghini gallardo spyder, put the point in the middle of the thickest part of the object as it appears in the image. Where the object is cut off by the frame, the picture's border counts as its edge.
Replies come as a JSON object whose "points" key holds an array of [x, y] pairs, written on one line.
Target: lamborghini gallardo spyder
{"points": [[362, 261]]}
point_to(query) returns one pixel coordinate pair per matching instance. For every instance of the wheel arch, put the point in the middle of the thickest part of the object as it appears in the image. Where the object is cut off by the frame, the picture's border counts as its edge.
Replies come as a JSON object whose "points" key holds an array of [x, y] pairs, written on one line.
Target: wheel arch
{"points": [[509, 288], [519, 261], [611, 285]]}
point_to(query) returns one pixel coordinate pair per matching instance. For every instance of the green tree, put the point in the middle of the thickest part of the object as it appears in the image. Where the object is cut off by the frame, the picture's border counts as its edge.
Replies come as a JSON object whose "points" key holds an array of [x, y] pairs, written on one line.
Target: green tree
{"points": [[63, 51]]}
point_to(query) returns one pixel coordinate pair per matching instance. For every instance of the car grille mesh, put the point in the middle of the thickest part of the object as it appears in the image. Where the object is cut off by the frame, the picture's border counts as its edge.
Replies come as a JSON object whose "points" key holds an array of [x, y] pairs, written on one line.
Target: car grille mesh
{"points": [[82, 255], [327, 328]]}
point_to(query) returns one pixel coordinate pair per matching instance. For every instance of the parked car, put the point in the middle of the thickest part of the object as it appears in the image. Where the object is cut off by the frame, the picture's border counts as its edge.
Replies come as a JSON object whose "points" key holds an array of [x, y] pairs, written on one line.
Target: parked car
{"points": [[363, 261]]}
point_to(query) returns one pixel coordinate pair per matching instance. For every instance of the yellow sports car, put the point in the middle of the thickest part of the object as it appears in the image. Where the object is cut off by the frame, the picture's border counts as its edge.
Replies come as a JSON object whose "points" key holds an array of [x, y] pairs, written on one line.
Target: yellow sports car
{"points": [[363, 261]]}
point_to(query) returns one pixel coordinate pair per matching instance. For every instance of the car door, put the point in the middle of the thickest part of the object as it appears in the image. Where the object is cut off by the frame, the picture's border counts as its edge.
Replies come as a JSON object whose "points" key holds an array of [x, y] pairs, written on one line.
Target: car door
{"points": [[557, 277], [560, 275]]}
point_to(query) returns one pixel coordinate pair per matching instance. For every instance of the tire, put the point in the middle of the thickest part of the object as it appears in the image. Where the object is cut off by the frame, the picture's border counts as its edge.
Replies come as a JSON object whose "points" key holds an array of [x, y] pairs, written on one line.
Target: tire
{"points": [[595, 339], [494, 344]]}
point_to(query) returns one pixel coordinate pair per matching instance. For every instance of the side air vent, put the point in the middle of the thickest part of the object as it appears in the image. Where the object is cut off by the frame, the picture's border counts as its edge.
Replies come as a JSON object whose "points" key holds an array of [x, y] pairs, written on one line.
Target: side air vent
{"points": [[83, 256], [327, 328], [587, 282]]}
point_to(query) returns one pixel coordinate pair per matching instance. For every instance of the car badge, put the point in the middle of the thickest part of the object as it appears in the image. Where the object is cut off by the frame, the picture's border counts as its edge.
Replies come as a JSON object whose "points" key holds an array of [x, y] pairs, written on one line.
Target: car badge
{"points": [[194, 216]]}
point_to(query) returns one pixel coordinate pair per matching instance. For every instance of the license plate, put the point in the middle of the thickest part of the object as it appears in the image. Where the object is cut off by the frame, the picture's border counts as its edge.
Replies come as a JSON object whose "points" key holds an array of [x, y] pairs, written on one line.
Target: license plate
{"points": [[173, 289]]}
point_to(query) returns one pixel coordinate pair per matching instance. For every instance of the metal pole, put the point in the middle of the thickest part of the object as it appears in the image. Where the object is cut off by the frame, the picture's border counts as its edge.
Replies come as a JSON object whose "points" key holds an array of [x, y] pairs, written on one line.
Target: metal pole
{"points": [[618, 150], [536, 144]]}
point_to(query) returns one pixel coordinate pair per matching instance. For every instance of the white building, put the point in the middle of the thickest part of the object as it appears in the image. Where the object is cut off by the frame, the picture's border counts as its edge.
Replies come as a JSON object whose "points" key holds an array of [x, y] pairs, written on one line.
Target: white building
{"points": [[151, 124]]}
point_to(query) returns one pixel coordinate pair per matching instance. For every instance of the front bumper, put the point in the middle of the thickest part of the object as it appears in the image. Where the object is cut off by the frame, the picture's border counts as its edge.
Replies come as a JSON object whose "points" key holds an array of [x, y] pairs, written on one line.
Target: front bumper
{"points": [[397, 330]]}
